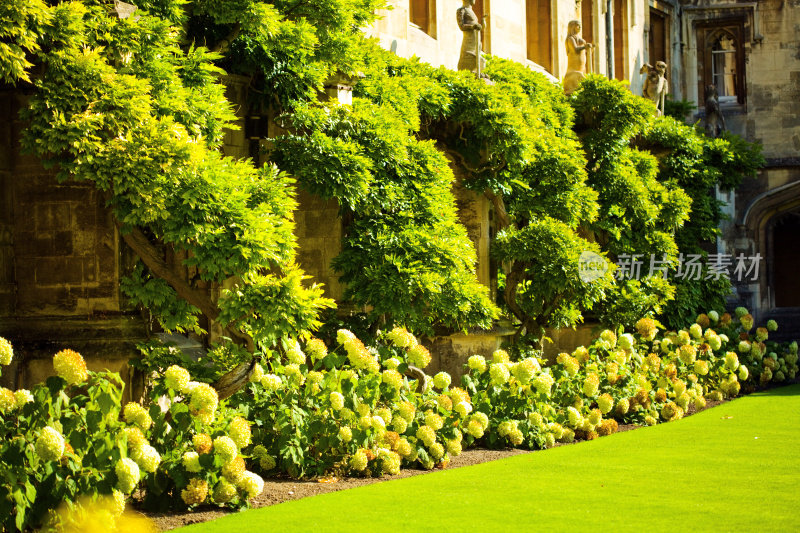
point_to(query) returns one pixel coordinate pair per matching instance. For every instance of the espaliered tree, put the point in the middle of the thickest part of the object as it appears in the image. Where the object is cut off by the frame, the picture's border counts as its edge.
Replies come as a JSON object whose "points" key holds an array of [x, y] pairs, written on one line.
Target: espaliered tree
{"points": [[135, 105], [565, 176]]}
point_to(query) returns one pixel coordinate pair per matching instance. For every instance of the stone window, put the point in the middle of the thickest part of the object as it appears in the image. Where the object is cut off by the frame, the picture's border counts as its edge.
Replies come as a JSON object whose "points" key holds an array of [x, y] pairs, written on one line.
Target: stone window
{"points": [[538, 17], [422, 14], [721, 59], [658, 37], [587, 21], [620, 17]]}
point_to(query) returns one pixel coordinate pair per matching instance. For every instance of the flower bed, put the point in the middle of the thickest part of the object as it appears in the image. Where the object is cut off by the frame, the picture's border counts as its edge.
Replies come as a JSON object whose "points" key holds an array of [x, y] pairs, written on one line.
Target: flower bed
{"points": [[348, 411]]}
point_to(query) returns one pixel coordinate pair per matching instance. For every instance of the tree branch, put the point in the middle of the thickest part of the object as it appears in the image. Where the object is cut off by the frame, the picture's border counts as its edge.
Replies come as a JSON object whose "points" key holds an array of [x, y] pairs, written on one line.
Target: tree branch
{"points": [[503, 220], [149, 255], [223, 45]]}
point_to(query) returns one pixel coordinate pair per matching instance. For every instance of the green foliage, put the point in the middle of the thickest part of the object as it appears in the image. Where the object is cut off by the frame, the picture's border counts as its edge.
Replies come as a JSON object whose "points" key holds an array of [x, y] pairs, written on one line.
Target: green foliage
{"points": [[546, 275], [678, 109], [690, 160], [87, 418], [21, 23], [349, 411], [123, 105], [395, 191]]}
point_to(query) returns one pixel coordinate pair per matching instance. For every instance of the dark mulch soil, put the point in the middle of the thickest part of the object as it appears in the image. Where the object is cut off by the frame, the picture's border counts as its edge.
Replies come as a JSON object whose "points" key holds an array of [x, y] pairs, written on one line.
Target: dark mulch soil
{"points": [[282, 490], [279, 490]]}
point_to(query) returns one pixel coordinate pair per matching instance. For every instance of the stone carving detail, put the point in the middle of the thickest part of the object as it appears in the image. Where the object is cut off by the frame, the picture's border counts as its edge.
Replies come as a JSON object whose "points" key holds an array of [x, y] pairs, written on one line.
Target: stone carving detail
{"points": [[471, 44], [576, 57], [715, 120], [655, 85]]}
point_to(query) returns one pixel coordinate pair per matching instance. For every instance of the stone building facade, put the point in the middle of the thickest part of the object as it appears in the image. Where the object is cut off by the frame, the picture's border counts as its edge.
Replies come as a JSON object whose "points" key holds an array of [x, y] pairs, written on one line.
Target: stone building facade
{"points": [[61, 258]]}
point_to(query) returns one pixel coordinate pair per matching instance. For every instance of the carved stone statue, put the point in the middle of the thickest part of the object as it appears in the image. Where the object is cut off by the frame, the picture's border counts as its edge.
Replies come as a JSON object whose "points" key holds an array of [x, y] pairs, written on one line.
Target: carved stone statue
{"points": [[470, 45], [715, 120], [655, 85], [576, 57]]}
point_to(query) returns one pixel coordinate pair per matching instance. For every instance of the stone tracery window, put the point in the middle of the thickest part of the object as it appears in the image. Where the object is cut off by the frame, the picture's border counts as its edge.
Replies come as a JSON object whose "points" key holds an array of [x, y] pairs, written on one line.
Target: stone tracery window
{"points": [[723, 67], [721, 59]]}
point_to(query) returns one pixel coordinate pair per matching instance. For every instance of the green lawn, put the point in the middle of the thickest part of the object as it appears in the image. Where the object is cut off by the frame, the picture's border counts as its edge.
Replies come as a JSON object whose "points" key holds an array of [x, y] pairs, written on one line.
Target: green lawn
{"points": [[735, 467]]}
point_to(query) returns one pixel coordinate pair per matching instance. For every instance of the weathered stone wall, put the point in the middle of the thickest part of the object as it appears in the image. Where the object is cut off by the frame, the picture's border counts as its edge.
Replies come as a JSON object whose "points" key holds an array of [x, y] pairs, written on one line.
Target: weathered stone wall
{"points": [[319, 239], [506, 34], [773, 81], [60, 259]]}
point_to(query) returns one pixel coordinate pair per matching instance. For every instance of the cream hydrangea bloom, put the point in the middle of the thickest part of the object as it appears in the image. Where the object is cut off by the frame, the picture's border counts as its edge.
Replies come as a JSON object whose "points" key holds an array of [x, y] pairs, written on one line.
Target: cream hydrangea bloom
{"points": [[226, 448], [482, 419], [177, 378], [50, 444], [731, 361], [22, 397], [605, 402], [137, 415], [147, 458], [442, 380], [419, 356], [7, 400], [688, 354], [204, 398], [463, 408], [195, 492], [191, 462], [393, 378], [337, 400], [572, 365], [127, 475], [271, 382], [499, 373], [407, 411], [475, 428], [403, 448], [390, 462], [500, 356], [434, 420], [401, 338], [591, 384], [256, 376], [426, 434], [526, 369], [543, 383], [399, 424], [224, 491], [744, 373], [6, 352], [202, 443], [385, 413], [234, 470], [436, 450], [477, 363], [574, 416], [239, 432], [70, 366], [359, 460], [345, 433], [316, 349]]}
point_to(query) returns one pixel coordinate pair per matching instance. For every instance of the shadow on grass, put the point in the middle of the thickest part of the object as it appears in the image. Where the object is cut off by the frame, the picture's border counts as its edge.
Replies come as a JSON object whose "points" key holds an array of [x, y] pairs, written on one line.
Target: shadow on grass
{"points": [[784, 390]]}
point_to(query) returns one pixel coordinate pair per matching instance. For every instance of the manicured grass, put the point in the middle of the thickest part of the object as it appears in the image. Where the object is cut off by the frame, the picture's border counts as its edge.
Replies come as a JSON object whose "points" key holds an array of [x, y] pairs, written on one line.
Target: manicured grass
{"points": [[735, 467]]}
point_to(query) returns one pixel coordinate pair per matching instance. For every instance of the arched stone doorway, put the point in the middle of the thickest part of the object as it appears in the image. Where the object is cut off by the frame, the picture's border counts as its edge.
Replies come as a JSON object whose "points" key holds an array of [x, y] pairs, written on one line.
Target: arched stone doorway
{"points": [[785, 259]]}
